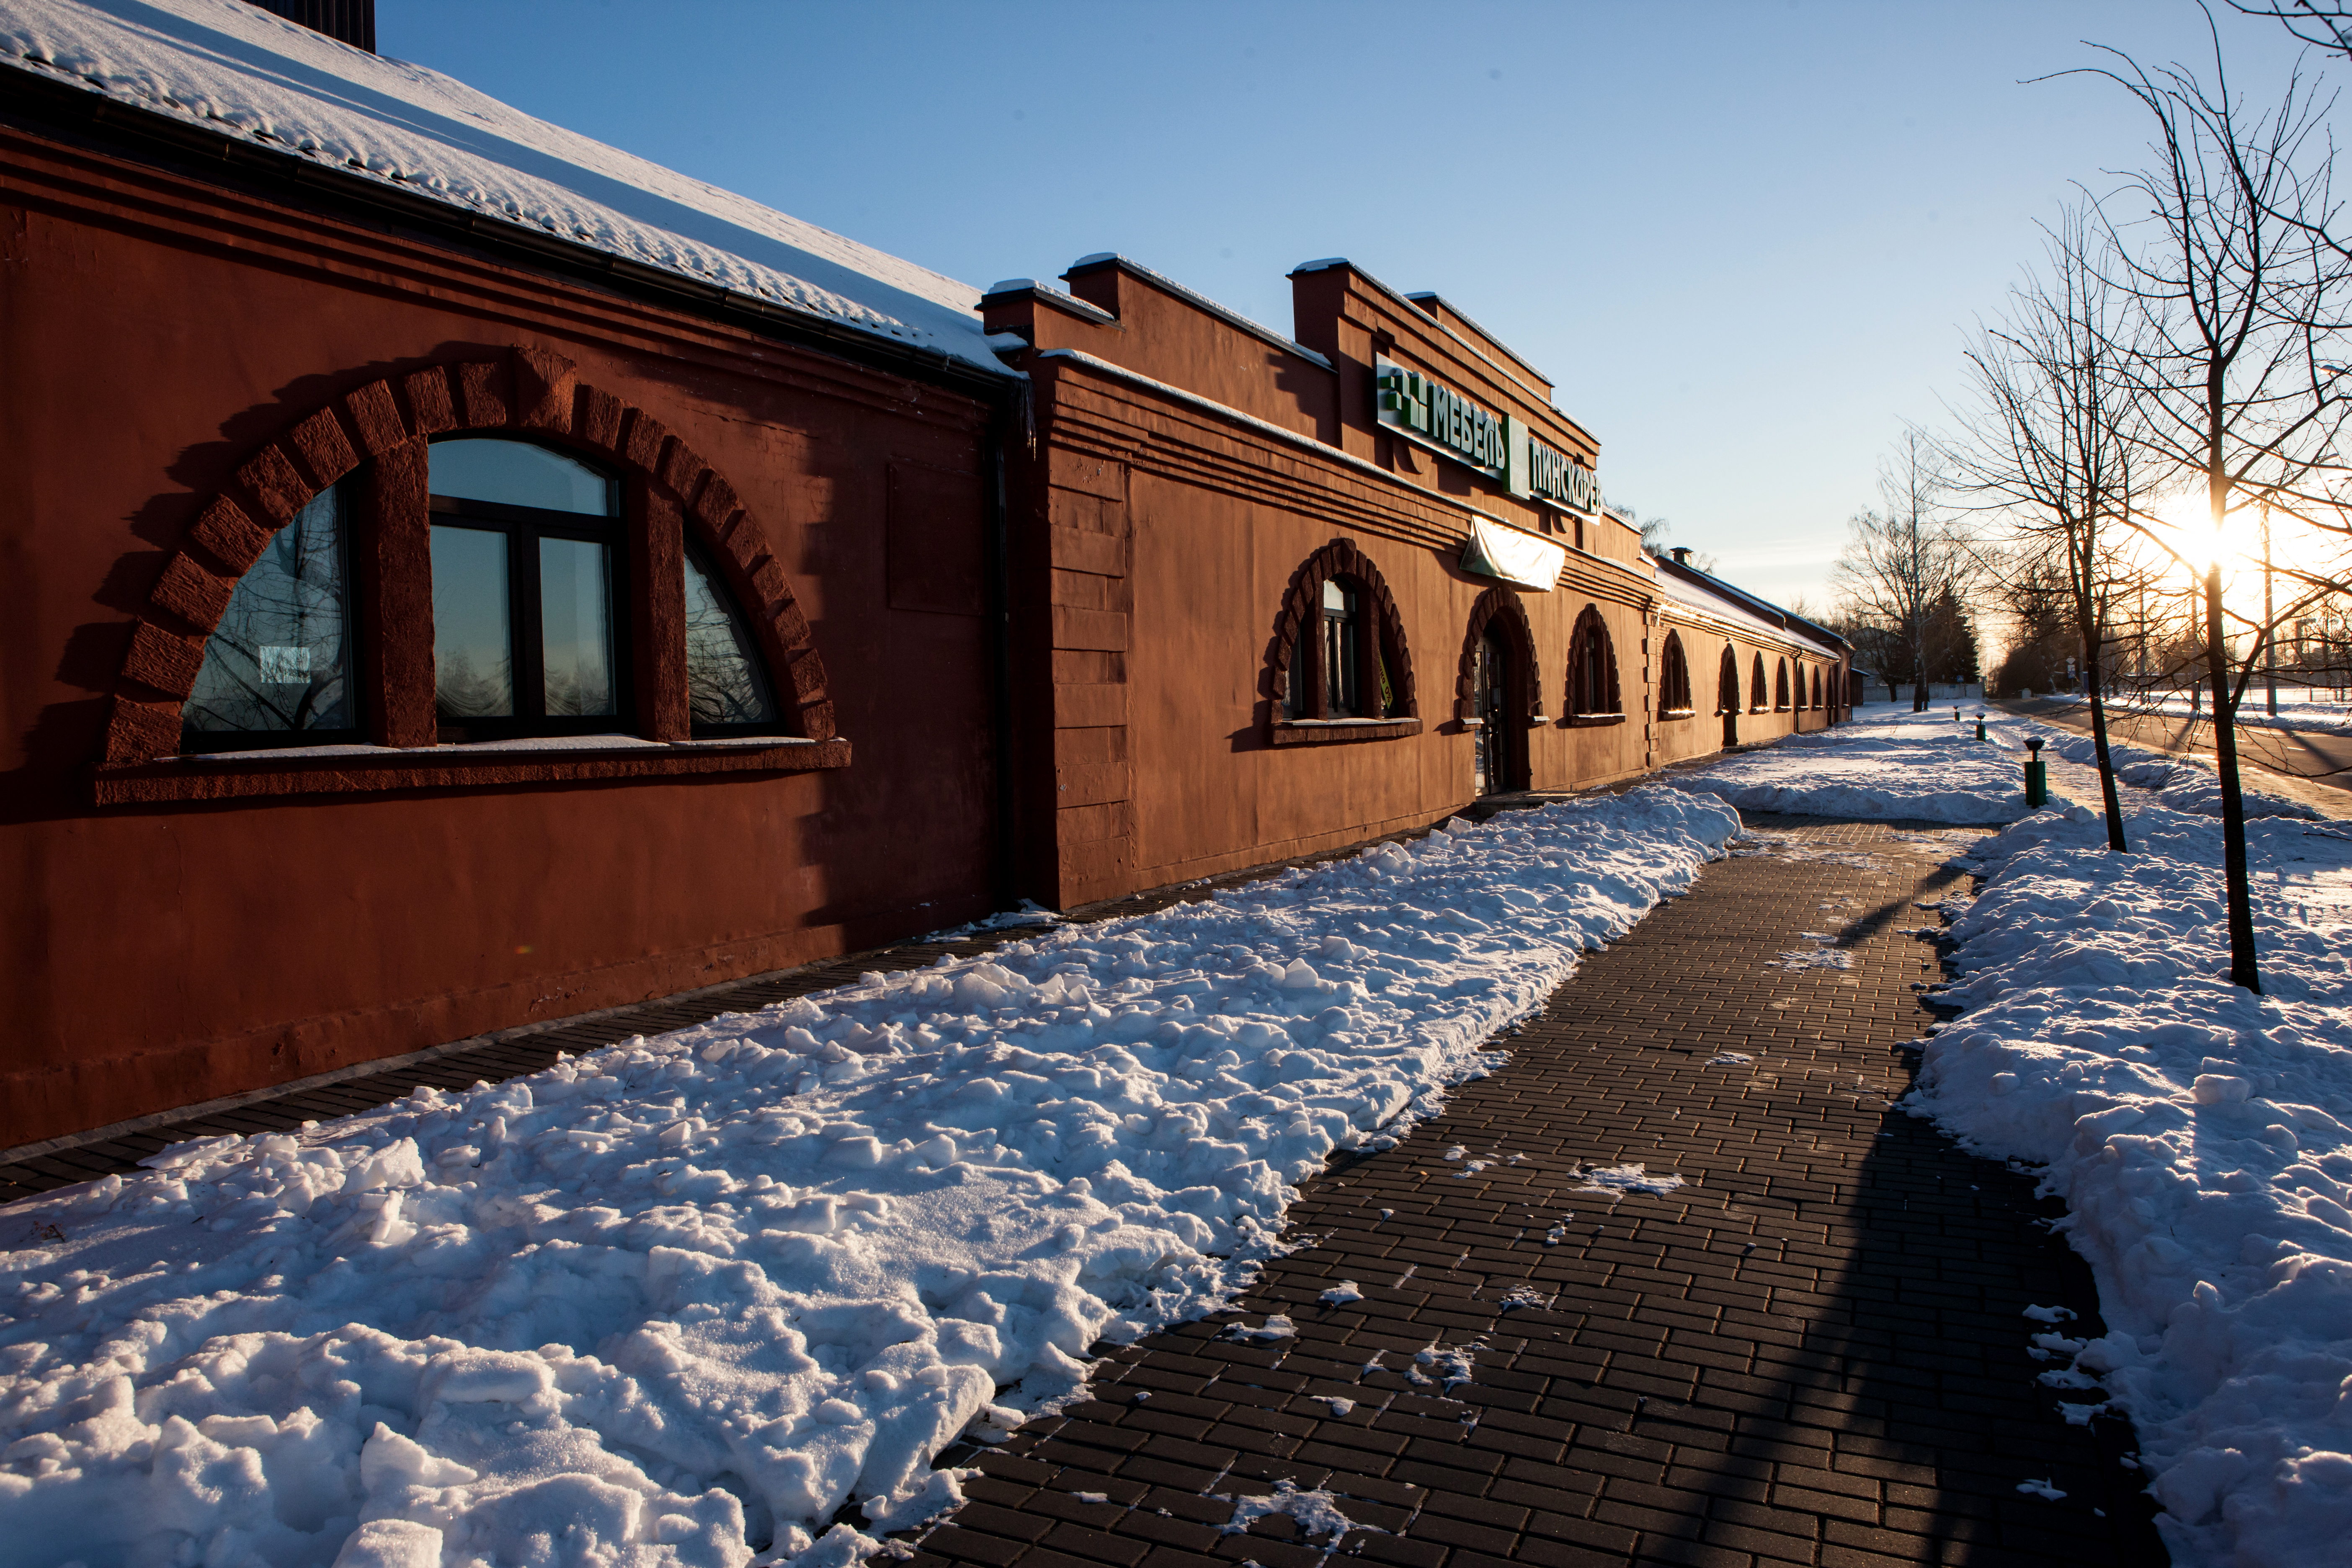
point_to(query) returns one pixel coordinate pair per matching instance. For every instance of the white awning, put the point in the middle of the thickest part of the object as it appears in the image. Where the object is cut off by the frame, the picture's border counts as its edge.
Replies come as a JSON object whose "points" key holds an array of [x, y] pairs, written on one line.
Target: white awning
{"points": [[1494, 550]]}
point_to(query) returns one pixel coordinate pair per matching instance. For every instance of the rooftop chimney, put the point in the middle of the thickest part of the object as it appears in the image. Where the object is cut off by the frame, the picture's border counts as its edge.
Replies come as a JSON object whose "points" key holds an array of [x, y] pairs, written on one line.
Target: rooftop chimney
{"points": [[1681, 553], [352, 21]]}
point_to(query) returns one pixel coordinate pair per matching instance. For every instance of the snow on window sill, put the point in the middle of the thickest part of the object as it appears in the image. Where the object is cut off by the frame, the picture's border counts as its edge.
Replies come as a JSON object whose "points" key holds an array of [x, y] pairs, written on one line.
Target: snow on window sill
{"points": [[1590, 721], [534, 760], [1678, 713], [1316, 731]]}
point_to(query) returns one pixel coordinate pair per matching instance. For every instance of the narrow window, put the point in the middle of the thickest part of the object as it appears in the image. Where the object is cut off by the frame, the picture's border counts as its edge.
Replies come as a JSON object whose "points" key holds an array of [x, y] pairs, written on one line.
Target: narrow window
{"points": [[528, 637], [1781, 685], [1341, 651], [278, 668], [1591, 667], [1817, 686], [725, 687], [1756, 685], [1674, 678], [1727, 683]]}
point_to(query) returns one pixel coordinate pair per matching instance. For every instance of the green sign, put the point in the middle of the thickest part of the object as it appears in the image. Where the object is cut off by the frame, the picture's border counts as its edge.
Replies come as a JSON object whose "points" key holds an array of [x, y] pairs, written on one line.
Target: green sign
{"points": [[1499, 447]]}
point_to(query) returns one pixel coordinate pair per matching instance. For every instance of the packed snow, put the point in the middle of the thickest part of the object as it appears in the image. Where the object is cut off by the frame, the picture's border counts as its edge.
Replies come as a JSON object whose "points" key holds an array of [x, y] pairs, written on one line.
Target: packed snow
{"points": [[2200, 1135], [687, 1298], [238, 72], [2314, 709]]}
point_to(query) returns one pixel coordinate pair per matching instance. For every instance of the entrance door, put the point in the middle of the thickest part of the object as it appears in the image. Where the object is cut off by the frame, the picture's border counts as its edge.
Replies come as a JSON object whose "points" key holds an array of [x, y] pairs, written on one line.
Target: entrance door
{"points": [[1493, 753]]}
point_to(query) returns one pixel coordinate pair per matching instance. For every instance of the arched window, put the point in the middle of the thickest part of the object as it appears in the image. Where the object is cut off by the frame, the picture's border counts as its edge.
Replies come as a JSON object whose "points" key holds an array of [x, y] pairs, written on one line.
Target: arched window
{"points": [[1341, 654], [1817, 686], [1591, 667], [1781, 685], [1756, 685], [278, 668], [1674, 679], [1727, 683], [727, 692]]}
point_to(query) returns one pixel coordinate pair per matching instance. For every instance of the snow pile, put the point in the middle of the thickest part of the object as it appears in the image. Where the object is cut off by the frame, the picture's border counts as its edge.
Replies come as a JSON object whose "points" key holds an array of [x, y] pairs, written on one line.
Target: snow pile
{"points": [[237, 71], [2316, 715], [684, 1299], [2198, 1135], [2184, 784], [1919, 765]]}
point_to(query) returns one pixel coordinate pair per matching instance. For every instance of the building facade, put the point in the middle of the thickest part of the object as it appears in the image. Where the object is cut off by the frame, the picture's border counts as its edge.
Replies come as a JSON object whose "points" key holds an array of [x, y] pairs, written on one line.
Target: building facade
{"points": [[456, 582]]}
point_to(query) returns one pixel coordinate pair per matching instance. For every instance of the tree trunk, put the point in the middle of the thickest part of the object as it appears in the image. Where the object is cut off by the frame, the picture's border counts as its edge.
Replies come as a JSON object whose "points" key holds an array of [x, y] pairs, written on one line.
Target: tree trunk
{"points": [[2236, 879], [2107, 796]]}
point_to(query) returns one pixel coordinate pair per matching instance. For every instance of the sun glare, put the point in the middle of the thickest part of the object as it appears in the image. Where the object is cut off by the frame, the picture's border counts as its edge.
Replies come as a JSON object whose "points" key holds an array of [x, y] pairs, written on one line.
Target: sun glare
{"points": [[2188, 524]]}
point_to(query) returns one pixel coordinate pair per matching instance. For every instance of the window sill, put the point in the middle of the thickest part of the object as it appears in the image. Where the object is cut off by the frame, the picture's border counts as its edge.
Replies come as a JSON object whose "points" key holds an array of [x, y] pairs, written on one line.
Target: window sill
{"points": [[1320, 731], [357, 770], [1673, 713], [1590, 721]]}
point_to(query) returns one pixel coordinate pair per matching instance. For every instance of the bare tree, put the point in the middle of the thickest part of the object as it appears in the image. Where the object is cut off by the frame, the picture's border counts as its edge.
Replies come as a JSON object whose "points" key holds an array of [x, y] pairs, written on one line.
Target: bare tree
{"points": [[2237, 297], [1902, 558], [2050, 441]]}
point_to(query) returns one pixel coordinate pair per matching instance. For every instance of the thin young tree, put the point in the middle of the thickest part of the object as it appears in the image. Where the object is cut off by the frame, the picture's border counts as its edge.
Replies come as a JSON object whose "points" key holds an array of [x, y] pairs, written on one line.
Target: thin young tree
{"points": [[1903, 555], [2232, 366], [2050, 443]]}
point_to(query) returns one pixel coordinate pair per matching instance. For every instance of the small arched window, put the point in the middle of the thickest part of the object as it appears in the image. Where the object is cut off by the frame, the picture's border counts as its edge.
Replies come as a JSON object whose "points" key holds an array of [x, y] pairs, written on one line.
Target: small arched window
{"points": [[1756, 685], [1591, 665], [1342, 652], [726, 690], [1727, 683], [278, 669], [1674, 679], [1781, 685], [1817, 686]]}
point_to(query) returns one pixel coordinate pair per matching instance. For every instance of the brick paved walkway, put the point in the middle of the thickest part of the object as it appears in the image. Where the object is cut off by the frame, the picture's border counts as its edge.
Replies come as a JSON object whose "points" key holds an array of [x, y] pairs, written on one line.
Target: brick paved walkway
{"points": [[1813, 1352]]}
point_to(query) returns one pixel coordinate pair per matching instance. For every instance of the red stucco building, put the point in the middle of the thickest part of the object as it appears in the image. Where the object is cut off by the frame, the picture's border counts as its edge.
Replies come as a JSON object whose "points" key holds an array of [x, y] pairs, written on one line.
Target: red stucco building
{"points": [[461, 578]]}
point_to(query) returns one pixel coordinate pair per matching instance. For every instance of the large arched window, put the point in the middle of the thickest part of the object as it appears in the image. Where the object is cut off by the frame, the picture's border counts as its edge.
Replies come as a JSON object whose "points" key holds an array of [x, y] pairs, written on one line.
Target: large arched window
{"points": [[1756, 686], [1591, 667], [1673, 679], [1339, 654], [1727, 683], [1781, 685]]}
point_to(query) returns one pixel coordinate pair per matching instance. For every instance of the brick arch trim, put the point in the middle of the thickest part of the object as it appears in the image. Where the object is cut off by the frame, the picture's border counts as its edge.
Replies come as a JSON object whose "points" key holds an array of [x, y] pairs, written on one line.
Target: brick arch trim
{"points": [[1498, 609], [525, 391], [1591, 632], [1302, 603]]}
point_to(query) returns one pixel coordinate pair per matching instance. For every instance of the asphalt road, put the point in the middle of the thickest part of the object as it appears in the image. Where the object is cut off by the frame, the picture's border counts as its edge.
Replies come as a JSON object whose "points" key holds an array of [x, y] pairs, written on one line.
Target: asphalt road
{"points": [[2323, 760]]}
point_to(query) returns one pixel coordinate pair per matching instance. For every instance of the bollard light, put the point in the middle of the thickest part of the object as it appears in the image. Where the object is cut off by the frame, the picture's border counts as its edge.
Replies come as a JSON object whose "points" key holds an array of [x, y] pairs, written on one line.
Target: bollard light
{"points": [[2037, 776], [1981, 734]]}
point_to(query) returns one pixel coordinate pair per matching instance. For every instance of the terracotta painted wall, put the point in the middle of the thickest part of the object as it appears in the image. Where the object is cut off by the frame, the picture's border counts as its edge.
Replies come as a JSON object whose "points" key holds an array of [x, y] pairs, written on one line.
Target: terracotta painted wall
{"points": [[160, 332]]}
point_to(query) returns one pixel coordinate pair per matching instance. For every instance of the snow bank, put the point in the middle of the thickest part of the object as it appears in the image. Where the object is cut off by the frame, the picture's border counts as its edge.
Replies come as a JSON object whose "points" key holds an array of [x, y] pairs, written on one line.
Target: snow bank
{"points": [[238, 72], [2316, 715], [2185, 783], [1919, 765], [687, 1296], [2198, 1135]]}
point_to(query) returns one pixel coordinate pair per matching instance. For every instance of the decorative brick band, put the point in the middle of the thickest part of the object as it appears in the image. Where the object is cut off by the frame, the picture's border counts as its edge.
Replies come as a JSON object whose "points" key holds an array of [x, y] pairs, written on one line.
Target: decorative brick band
{"points": [[1500, 609], [527, 390], [1302, 606]]}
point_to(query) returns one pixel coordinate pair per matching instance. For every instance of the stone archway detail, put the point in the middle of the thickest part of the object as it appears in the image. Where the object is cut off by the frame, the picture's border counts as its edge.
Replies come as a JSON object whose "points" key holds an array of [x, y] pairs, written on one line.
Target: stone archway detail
{"points": [[525, 391], [1499, 608], [1302, 604]]}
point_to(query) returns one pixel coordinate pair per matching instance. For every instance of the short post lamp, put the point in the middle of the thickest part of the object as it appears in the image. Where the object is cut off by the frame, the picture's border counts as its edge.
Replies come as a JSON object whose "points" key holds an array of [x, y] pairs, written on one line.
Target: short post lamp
{"points": [[2037, 776], [1981, 734], [1956, 713]]}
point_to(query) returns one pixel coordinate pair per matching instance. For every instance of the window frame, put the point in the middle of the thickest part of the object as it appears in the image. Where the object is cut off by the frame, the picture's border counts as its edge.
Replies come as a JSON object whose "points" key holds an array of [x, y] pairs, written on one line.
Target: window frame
{"points": [[1302, 703], [527, 635], [1674, 678]]}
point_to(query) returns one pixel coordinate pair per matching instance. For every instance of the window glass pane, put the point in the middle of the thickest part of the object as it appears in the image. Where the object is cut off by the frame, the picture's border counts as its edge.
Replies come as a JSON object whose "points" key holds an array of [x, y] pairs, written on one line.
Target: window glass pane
{"points": [[473, 639], [278, 660], [518, 474], [575, 618], [723, 683]]}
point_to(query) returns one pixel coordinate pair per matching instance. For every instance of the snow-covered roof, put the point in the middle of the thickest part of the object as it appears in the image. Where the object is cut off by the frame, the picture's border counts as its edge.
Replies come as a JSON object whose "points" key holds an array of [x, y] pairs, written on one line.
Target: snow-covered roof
{"points": [[229, 68], [1695, 590]]}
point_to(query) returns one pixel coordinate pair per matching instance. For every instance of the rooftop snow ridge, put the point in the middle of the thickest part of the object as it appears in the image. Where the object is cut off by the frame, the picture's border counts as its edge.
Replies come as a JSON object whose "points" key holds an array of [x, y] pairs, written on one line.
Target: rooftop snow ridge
{"points": [[235, 71], [1199, 300]]}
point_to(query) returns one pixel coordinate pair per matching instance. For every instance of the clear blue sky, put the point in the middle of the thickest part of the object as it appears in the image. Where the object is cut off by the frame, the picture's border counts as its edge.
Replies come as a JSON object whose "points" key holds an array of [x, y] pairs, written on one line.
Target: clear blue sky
{"points": [[1744, 239]]}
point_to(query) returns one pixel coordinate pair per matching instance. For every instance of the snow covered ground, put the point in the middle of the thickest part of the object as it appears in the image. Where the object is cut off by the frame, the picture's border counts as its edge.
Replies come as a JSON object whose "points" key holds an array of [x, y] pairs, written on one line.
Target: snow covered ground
{"points": [[2200, 1136], [682, 1299], [1889, 764], [2319, 713]]}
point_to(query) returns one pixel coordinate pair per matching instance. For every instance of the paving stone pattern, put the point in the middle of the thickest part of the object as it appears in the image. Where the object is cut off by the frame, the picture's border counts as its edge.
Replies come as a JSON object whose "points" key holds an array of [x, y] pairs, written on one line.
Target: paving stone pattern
{"points": [[1813, 1352]]}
